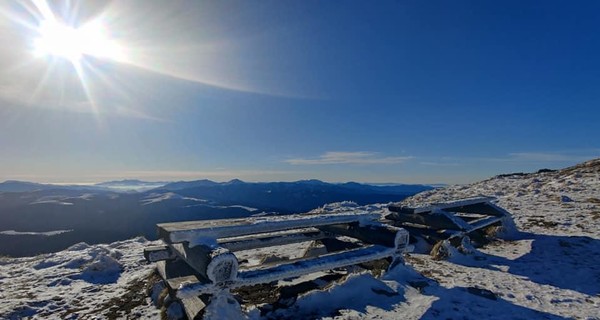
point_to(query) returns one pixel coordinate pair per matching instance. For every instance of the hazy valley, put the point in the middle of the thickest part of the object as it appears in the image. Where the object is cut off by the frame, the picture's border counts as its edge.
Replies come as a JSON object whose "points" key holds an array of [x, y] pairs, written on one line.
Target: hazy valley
{"points": [[108, 212]]}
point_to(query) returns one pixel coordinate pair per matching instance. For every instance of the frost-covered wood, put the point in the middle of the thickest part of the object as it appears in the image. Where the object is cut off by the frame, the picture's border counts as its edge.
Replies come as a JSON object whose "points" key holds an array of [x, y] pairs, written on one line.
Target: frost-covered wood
{"points": [[215, 229], [379, 234], [456, 205], [158, 253], [192, 306], [270, 240], [453, 220], [436, 219], [207, 248], [295, 269], [215, 263], [483, 222]]}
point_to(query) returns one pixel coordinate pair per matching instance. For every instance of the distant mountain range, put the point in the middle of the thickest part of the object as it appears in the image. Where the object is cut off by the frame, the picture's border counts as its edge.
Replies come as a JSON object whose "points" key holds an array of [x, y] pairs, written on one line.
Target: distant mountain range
{"points": [[107, 211]]}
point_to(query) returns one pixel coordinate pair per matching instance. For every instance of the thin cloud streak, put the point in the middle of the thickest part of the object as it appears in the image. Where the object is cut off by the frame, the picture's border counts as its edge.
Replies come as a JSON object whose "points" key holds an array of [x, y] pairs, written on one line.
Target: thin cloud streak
{"points": [[548, 157], [360, 157], [439, 164], [518, 157]]}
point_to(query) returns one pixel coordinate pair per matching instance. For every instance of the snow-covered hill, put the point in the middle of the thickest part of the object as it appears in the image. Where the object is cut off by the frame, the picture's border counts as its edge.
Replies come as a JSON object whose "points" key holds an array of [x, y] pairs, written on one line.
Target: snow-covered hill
{"points": [[550, 269]]}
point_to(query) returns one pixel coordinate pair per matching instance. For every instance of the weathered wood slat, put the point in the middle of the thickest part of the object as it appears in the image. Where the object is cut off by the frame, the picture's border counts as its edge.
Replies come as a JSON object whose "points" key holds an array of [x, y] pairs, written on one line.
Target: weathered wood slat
{"points": [[433, 235], [269, 241], [176, 268], [436, 219], [175, 273], [297, 268], [482, 223], [480, 208], [193, 306], [384, 235], [190, 230], [450, 205], [175, 283], [326, 262], [158, 253]]}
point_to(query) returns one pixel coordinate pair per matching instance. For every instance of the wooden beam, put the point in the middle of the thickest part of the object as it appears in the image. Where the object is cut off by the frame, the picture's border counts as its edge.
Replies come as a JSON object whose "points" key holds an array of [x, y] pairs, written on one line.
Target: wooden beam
{"points": [[447, 206], [326, 262], [215, 263], [158, 253], [480, 208], [437, 219], [483, 223], [269, 241], [296, 269], [380, 234], [432, 235], [177, 273], [193, 307]]}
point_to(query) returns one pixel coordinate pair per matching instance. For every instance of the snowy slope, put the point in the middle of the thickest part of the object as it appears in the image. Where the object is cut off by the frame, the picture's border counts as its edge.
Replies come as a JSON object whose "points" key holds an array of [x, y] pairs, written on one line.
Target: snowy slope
{"points": [[80, 282], [549, 270]]}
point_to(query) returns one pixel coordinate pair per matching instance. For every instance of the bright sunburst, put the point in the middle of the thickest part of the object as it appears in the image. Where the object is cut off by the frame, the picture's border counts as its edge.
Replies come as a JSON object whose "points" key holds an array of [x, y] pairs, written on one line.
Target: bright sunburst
{"points": [[60, 40]]}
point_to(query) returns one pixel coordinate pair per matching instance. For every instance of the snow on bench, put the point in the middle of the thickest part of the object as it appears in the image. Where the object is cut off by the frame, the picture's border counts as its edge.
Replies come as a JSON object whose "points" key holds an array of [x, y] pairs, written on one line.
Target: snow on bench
{"points": [[199, 256], [449, 221]]}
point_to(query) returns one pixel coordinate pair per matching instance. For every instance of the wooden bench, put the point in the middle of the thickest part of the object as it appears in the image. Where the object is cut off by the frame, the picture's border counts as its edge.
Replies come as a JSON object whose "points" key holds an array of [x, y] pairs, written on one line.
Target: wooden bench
{"points": [[199, 256], [452, 221]]}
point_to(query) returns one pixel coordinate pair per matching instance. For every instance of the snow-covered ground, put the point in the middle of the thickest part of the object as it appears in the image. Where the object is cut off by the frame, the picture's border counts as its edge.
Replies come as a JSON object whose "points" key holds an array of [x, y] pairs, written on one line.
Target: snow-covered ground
{"points": [[550, 269], [100, 281]]}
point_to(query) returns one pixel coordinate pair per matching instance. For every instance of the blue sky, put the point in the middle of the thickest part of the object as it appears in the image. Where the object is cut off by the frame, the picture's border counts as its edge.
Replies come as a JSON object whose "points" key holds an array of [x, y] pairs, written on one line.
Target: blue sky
{"points": [[386, 91]]}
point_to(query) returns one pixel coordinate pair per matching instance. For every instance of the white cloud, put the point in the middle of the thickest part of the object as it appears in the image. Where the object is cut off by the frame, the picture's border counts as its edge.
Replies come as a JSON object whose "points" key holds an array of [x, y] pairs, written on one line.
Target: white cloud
{"points": [[440, 164], [573, 156], [360, 157], [547, 157]]}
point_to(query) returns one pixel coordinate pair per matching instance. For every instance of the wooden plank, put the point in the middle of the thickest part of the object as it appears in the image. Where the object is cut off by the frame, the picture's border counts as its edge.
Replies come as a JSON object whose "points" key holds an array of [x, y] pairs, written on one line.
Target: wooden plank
{"points": [[296, 269], [177, 273], [483, 223], [215, 229], [480, 208], [454, 204], [158, 253], [306, 266], [446, 206], [382, 234], [193, 307], [432, 235], [269, 241], [436, 220]]}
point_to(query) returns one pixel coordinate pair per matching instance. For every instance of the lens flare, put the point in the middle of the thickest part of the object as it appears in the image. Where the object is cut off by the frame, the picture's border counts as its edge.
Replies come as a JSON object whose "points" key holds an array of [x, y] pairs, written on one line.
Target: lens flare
{"points": [[57, 39]]}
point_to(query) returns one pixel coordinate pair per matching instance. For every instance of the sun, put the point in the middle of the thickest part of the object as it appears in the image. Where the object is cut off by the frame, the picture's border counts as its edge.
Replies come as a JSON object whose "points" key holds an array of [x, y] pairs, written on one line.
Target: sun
{"points": [[60, 40]]}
